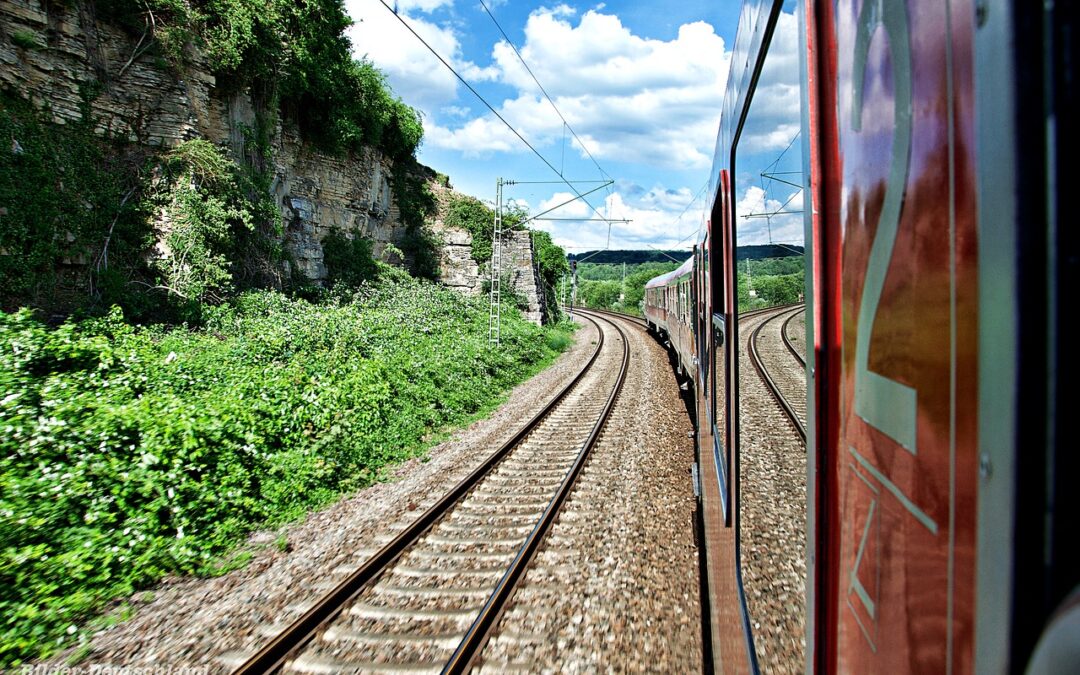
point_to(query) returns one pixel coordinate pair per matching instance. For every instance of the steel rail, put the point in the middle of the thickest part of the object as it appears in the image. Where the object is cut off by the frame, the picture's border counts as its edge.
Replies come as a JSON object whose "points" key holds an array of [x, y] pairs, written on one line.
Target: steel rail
{"points": [[611, 312], [787, 340], [272, 656], [468, 651], [770, 384]]}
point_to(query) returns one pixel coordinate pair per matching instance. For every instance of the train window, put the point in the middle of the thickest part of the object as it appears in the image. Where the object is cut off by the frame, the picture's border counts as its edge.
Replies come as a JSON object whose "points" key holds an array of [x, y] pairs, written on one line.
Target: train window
{"points": [[770, 461]]}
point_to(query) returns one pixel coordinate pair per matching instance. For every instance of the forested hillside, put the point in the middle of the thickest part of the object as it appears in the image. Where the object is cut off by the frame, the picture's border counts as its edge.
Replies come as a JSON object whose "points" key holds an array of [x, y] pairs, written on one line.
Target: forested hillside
{"points": [[761, 282]]}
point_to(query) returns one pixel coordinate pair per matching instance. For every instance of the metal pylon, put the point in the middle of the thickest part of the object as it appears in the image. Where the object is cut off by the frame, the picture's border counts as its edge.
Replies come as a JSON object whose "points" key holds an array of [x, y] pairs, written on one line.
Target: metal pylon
{"points": [[495, 311]]}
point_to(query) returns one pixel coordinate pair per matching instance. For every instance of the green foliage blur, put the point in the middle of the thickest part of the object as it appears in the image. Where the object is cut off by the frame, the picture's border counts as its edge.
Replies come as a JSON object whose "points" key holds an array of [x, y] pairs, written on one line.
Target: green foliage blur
{"points": [[62, 198], [551, 261], [774, 281], [129, 453], [348, 259]]}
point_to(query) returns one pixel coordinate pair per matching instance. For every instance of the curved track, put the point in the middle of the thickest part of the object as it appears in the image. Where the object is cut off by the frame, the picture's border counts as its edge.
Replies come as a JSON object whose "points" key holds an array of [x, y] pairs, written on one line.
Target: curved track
{"points": [[788, 342], [413, 606], [772, 470], [781, 383]]}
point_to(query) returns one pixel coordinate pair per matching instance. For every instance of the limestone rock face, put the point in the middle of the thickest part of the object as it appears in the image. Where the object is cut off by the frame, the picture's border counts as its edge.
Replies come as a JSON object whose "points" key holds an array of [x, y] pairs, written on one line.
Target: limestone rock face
{"points": [[83, 60], [459, 271], [519, 262]]}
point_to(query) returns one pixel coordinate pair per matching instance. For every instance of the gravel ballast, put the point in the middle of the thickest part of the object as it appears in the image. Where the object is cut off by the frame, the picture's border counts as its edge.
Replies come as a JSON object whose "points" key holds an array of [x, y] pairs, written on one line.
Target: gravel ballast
{"points": [[772, 511], [615, 586]]}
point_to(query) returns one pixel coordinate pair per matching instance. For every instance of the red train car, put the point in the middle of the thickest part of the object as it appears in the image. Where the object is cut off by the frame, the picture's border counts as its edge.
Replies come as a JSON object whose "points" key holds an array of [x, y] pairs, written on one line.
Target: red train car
{"points": [[932, 135], [668, 308]]}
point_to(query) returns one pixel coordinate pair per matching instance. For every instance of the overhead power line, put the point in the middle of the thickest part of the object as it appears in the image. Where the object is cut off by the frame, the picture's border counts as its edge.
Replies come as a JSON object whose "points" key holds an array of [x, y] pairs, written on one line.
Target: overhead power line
{"points": [[542, 90], [492, 109]]}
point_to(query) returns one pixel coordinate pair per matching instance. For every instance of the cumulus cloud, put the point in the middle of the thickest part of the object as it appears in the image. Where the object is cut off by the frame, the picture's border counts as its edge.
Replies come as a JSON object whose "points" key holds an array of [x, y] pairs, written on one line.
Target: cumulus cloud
{"points": [[772, 216], [629, 98], [657, 216], [774, 114], [414, 72]]}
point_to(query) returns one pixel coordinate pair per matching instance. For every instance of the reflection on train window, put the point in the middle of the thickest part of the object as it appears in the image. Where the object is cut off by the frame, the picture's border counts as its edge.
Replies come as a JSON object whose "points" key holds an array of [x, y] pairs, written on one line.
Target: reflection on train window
{"points": [[768, 204]]}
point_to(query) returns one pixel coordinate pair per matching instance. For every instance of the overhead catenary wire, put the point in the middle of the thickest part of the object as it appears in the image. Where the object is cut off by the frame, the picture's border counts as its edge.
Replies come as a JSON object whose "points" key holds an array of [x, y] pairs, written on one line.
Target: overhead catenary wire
{"points": [[491, 108], [521, 58]]}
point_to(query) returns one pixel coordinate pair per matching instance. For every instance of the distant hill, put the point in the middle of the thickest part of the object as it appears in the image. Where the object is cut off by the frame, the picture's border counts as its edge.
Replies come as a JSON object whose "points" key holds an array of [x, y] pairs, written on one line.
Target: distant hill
{"points": [[638, 257], [630, 257]]}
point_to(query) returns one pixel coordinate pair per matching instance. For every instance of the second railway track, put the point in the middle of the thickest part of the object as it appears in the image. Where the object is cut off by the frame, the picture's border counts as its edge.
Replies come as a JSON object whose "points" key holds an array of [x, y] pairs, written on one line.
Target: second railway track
{"points": [[427, 600], [771, 353]]}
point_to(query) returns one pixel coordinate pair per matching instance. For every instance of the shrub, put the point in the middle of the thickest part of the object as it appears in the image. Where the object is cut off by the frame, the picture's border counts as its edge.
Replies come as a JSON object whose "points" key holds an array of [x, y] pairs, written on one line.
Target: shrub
{"points": [[26, 39], [348, 259], [129, 453]]}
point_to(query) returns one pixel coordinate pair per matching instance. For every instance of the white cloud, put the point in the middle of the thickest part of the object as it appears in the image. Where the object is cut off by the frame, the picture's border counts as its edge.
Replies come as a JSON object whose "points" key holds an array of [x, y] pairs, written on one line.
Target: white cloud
{"points": [[774, 114], [657, 217], [414, 72], [629, 98], [762, 227], [421, 5]]}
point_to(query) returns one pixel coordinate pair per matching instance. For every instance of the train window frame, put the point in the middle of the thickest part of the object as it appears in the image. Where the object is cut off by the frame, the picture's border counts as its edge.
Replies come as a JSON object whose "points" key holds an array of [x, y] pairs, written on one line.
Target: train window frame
{"points": [[743, 109]]}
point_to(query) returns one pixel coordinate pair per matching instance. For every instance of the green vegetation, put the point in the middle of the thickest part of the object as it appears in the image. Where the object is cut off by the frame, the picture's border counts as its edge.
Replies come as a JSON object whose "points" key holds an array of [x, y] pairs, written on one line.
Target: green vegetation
{"points": [[774, 281], [133, 452], [204, 199], [294, 56], [348, 259], [67, 209], [26, 39], [634, 257], [551, 261], [415, 203], [170, 392], [599, 284]]}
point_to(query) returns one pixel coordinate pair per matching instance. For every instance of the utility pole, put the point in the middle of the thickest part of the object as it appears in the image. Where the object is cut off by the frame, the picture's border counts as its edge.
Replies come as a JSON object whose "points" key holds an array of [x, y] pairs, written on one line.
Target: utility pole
{"points": [[573, 285], [495, 309], [622, 289]]}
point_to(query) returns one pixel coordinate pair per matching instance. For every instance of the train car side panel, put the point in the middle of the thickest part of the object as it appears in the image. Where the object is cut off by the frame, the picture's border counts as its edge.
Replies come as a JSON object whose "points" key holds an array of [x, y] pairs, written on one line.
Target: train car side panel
{"points": [[904, 464]]}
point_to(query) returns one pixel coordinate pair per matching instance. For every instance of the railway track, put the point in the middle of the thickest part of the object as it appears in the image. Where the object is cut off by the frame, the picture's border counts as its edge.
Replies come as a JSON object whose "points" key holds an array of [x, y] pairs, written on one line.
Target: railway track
{"points": [[772, 495], [786, 383], [428, 600], [789, 342]]}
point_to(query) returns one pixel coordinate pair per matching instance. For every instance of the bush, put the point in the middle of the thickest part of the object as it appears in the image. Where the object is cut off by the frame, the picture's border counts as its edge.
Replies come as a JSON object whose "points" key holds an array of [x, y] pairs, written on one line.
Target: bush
{"points": [[63, 212], [348, 259], [295, 53], [204, 205], [130, 453]]}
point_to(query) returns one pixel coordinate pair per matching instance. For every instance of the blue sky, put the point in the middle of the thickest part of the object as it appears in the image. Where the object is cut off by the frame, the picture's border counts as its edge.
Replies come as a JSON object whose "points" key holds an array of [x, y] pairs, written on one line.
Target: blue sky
{"points": [[640, 83]]}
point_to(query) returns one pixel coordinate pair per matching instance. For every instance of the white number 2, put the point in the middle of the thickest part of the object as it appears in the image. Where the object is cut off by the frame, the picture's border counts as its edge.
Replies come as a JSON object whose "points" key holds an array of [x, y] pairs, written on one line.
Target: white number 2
{"points": [[886, 404]]}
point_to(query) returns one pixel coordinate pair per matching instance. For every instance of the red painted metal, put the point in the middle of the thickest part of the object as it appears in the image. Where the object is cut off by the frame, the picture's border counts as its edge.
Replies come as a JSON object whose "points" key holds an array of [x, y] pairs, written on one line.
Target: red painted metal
{"points": [[901, 518]]}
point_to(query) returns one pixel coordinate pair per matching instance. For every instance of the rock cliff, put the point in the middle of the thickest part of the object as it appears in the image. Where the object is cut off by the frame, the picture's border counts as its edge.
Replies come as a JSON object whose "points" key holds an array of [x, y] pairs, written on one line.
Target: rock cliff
{"points": [[459, 271], [68, 62]]}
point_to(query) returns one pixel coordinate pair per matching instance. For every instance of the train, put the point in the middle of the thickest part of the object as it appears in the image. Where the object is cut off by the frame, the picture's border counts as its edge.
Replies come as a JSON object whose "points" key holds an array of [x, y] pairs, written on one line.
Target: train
{"points": [[923, 176]]}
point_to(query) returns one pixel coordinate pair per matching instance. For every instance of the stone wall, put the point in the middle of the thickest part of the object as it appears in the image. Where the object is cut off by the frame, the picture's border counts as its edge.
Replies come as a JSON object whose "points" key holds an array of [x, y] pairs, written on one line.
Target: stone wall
{"points": [[519, 264], [82, 60], [459, 271]]}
